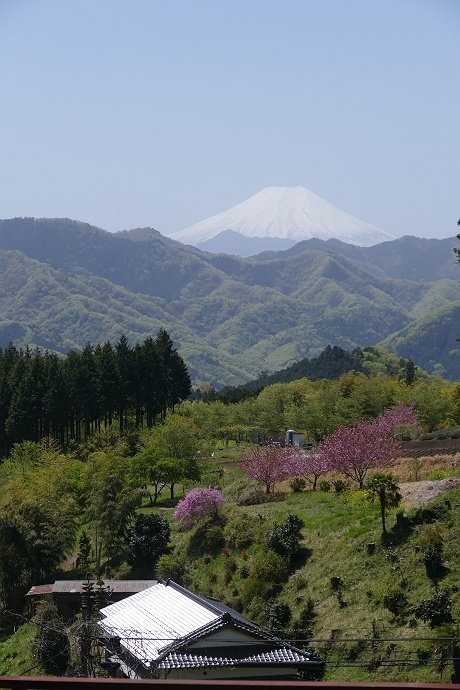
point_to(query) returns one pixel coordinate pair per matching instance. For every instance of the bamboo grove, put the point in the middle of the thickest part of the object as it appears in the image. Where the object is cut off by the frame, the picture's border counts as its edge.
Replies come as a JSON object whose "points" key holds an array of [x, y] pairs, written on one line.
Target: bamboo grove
{"points": [[43, 395]]}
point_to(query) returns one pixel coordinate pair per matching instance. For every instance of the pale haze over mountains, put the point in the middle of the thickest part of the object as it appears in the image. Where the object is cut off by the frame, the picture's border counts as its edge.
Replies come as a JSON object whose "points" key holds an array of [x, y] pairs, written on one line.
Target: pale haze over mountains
{"points": [[278, 218]]}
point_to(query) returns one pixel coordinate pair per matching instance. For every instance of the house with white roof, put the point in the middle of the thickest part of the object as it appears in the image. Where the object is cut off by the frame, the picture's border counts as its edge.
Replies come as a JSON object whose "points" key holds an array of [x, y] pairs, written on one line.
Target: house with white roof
{"points": [[168, 632]]}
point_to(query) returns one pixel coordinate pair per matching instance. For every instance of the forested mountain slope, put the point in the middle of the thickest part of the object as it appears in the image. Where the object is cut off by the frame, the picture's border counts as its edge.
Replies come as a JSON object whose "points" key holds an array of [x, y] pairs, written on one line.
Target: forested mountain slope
{"points": [[409, 257], [63, 283]]}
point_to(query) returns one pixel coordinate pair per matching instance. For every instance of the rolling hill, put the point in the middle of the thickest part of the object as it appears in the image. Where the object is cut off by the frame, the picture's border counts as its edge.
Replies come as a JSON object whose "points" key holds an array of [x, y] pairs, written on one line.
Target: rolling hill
{"points": [[63, 283]]}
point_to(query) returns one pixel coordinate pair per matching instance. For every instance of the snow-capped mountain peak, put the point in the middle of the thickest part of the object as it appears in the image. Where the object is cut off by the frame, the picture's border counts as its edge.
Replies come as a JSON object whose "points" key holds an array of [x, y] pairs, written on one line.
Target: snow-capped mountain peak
{"points": [[288, 213]]}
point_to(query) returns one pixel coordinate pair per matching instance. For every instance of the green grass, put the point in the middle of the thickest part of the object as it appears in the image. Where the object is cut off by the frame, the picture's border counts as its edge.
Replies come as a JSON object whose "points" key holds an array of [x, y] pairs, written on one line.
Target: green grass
{"points": [[16, 652]]}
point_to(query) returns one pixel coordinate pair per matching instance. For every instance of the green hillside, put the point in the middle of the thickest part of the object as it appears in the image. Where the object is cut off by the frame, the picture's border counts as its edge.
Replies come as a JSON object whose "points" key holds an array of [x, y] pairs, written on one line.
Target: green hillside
{"points": [[63, 283], [341, 542], [434, 338]]}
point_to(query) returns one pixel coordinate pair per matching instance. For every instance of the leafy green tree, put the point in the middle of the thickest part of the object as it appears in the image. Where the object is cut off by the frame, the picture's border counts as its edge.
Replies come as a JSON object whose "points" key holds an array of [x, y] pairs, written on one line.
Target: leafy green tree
{"points": [[149, 470], [147, 540], [22, 459], [14, 560], [284, 537], [178, 439], [51, 642], [111, 505], [273, 402], [433, 403], [39, 519], [383, 487], [409, 374], [84, 550]]}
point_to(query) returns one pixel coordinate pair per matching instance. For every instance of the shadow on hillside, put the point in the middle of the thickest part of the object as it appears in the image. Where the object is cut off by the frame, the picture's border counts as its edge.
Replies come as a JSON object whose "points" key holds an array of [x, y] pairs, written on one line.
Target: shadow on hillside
{"points": [[421, 515], [399, 533], [300, 558]]}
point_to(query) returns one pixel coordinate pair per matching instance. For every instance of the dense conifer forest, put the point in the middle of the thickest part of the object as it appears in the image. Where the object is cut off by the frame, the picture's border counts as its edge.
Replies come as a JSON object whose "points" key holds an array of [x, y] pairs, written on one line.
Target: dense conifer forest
{"points": [[67, 399]]}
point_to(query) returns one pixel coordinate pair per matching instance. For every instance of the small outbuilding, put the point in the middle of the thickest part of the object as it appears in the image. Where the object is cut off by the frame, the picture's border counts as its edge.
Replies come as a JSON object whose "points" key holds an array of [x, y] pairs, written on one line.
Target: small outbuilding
{"points": [[167, 631], [66, 594]]}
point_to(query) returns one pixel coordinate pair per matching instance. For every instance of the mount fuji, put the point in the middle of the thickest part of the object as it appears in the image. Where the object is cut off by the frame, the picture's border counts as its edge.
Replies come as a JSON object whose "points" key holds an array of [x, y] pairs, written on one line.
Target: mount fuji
{"points": [[277, 218]]}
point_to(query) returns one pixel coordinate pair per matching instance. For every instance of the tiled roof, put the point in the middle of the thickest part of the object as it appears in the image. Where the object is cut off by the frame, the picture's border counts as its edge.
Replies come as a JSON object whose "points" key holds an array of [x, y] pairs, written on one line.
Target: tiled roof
{"points": [[241, 655]]}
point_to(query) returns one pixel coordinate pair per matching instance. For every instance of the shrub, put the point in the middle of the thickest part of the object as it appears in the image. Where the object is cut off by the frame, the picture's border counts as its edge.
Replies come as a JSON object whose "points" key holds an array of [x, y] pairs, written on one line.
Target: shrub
{"points": [[339, 486], [257, 611], [284, 537], [298, 581], [257, 497], [303, 626], [432, 558], [324, 486], [439, 474], [298, 484], [171, 566], [428, 514], [396, 601], [432, 542], [436, 610], [279, 617], [269, 567], [240, 532], [267, 572], [244, 572]]}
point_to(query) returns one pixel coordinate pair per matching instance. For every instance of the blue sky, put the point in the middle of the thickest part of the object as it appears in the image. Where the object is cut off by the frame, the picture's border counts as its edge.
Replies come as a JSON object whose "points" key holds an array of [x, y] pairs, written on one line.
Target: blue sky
{"points": [[157, 113]]}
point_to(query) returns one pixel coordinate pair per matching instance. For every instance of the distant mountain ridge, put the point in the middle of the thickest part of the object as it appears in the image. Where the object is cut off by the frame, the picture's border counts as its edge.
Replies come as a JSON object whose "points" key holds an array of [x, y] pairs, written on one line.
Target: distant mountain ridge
{"points": [[63, 283], [287, 214], [410, 257]]}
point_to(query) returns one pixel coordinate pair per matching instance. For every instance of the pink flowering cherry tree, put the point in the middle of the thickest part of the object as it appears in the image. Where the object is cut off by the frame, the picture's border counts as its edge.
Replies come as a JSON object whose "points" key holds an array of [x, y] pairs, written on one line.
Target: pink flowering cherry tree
{"points": [[311, 465], [199, 504], [270, 464], [354, 451]]}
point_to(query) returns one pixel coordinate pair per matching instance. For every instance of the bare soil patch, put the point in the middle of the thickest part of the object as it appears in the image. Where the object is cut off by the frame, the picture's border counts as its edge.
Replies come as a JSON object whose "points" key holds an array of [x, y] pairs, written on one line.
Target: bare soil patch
{"points": [[418, 493]]}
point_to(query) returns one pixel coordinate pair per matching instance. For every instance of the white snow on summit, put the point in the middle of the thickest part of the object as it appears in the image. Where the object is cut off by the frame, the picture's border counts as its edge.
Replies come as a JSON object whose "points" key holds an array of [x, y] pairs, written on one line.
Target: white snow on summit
{"points": [[292, 213]]}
